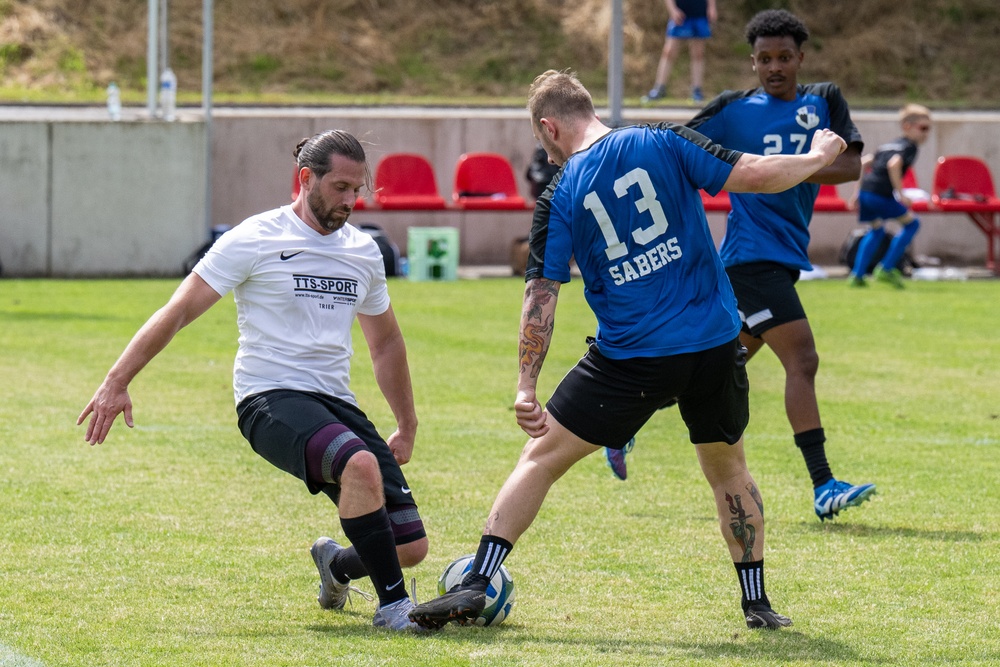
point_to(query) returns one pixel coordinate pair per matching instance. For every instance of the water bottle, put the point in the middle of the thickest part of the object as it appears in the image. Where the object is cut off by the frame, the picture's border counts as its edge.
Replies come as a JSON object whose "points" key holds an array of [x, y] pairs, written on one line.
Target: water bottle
{"points": [[168, 95], [114, 101]]}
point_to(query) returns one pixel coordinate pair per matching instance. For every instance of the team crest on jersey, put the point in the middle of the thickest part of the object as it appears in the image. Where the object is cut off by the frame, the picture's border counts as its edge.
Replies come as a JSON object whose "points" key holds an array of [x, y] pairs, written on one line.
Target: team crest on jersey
{"points": [[806, 117]]}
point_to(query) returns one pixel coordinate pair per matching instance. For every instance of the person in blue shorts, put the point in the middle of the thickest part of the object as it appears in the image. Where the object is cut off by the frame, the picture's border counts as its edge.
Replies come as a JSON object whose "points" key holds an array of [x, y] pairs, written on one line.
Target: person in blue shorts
{"points": [[690, 22], [767, 235], [881, 197], [626, 206]]}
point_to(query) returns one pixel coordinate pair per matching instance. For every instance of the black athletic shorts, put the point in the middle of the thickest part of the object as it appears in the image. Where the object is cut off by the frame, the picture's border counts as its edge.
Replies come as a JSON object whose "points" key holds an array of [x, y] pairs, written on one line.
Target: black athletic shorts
{"points": [[278, 423], [606, 401], [765, 295]]}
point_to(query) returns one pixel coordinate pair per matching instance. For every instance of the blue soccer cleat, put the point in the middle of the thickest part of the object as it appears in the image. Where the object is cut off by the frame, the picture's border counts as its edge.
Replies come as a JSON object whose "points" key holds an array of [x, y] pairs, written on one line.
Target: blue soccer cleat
{"points": [[835, 496], [616, 459]]}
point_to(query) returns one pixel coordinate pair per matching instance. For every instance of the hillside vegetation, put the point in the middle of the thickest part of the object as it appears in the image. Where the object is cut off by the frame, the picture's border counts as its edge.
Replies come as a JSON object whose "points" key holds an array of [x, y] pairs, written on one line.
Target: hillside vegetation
{"points": [[881, 52]]}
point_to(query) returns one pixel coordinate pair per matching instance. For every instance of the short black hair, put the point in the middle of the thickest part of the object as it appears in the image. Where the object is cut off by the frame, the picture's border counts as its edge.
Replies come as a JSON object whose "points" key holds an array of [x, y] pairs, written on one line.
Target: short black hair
{"points": [[777, 23]]}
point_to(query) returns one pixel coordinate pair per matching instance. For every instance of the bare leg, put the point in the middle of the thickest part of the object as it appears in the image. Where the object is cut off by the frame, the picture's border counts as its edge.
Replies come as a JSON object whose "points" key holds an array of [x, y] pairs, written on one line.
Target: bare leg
{"points": [[543, 461], [795, 348], [360, 486], [671, 50], [696, 48], [737, 500]]}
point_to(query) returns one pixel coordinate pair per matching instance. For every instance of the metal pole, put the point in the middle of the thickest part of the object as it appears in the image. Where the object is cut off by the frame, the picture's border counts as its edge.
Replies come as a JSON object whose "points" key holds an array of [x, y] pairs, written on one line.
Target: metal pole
{"points": [[615, 63], [164, 36], [207, 68], [152, 71]]}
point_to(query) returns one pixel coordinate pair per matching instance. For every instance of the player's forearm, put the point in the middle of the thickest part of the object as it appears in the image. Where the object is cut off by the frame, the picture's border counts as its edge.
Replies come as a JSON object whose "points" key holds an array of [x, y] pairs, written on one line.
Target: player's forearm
{"points": [[772, 173], [149, 341], [847, 167], [537, 325], [392, 374]]}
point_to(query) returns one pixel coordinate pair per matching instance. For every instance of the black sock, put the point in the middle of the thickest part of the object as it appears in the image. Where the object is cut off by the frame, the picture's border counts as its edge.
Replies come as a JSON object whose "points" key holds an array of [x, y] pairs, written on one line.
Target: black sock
{"points": [[811, 443], [371, 536], [347, 565], [490, 556], [751, 576]]}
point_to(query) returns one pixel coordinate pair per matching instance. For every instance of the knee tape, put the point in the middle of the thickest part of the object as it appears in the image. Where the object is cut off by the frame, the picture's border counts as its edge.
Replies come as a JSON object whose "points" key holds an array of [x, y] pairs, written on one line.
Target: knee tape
{"points": [[329, 450]]}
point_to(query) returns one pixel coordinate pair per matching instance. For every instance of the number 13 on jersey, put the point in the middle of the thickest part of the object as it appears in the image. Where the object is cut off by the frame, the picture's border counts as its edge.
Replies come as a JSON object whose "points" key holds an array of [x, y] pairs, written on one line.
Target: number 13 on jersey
{"points": [[651, 260]]}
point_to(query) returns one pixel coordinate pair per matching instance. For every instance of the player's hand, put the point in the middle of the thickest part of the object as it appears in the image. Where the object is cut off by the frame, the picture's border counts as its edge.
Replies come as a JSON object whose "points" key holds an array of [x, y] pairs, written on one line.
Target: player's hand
{"points": [[827, 143], [678, 17], [103, 409], [530, 415], [401, 447]]}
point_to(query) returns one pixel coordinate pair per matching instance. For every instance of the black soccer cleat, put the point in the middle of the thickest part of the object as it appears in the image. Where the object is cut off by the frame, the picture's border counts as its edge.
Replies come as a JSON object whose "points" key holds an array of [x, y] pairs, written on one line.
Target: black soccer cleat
{"points": [[459, 604], [761, 616]]}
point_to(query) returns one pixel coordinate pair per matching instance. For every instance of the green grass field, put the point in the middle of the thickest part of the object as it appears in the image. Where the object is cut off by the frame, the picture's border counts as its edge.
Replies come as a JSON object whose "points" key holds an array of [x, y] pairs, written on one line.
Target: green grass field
{"points": [[174, 544]]}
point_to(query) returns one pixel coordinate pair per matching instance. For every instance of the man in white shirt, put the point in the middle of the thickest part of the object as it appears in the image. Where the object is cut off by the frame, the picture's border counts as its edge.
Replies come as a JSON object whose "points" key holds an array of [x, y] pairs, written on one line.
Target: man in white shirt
{"points": [[300, 276]]}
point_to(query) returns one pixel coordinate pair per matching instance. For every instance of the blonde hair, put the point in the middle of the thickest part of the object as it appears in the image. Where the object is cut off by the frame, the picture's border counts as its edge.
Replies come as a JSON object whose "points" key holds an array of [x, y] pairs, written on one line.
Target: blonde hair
{"points": [[558, 95], [914, 112]]}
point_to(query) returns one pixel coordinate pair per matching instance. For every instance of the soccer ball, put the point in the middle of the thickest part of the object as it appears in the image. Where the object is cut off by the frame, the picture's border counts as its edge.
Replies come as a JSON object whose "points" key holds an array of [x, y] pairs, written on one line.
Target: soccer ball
{"points": [[499, 594]]}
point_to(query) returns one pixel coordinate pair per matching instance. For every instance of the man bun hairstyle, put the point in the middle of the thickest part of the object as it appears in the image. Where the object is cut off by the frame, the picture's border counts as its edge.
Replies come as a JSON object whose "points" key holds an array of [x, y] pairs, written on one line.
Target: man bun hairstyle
{"points": [[315, 151], [777, 23]]}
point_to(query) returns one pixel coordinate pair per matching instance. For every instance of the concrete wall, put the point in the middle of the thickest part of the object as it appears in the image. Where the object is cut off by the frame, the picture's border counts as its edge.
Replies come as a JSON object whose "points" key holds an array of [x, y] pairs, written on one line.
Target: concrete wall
{"points": [[81, 196], [99, 198]]}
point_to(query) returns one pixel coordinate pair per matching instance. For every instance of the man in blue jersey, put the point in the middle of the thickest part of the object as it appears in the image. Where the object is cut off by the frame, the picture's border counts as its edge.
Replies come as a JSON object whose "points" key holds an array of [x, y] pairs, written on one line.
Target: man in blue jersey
{"points": [[626, 206], [767, 235]]}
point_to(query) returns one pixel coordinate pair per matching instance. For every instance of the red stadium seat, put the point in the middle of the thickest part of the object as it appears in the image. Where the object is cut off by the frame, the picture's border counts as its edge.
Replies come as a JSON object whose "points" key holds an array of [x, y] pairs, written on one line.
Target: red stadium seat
{"points": [[485, 181], [405, 181], [829, 200], [964, 184], [910, 183], [719, 202]]}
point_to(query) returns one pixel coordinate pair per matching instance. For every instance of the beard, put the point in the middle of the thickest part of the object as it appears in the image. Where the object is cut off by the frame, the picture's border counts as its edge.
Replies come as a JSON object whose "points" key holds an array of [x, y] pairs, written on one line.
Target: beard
{"points": [[330, 218]]}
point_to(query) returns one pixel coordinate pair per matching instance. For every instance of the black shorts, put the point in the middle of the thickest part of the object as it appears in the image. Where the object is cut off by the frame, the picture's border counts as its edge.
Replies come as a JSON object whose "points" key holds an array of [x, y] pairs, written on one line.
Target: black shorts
{"points": [[765, 295], [278, 423], [606, 401]]}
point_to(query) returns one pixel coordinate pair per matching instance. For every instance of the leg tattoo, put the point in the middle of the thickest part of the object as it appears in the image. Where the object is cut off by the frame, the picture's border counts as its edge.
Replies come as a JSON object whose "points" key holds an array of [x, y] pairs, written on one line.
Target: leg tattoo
{"points": [[755, 494], [744, 532]]}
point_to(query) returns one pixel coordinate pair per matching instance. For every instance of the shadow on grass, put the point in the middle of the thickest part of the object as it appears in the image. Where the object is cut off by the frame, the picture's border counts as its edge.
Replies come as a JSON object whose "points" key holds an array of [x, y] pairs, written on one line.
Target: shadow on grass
{"points": [[862, 530], [780, 646]]}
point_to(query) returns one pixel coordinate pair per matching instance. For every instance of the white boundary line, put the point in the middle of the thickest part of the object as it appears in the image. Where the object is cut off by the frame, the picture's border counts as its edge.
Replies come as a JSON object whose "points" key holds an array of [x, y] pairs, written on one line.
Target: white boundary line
{"points": [[11, 658]]}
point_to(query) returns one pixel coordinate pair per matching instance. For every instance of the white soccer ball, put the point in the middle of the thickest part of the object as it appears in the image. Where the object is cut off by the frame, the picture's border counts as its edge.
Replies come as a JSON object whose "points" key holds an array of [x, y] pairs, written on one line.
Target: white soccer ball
{"points": [[499, 594]]}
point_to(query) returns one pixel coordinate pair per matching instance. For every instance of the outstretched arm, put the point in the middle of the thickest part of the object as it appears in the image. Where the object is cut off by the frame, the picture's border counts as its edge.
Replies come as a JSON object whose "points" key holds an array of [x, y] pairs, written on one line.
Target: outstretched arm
{"points": [[392, 373], [192, 298], [847, 167], [537, 323], [777, 173]]}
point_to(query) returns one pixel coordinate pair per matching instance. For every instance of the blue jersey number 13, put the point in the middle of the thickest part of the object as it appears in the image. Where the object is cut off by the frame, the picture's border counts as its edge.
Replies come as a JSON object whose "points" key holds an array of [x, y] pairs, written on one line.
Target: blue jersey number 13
{"points": [[647, 202]]}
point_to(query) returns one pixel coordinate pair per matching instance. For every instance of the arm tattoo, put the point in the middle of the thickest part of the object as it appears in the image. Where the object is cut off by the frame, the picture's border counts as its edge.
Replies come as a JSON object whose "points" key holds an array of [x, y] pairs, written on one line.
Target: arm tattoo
{"points": [[536, 327]]}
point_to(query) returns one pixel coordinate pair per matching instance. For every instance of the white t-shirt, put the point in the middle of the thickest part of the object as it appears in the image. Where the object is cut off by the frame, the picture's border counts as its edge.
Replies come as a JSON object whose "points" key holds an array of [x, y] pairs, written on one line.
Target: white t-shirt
{"points": [[297, 293]]}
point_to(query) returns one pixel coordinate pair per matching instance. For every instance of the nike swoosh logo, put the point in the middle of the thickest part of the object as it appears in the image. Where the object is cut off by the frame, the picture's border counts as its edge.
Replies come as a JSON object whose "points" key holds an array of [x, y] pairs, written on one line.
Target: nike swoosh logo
{"points": [[404, 489], [285, 257], [389, 588]]}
